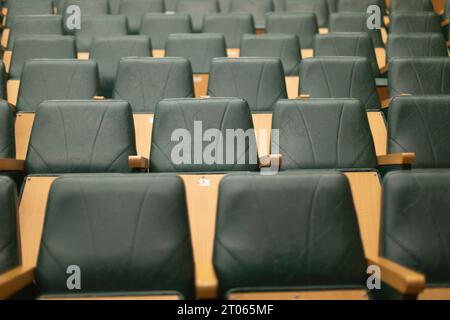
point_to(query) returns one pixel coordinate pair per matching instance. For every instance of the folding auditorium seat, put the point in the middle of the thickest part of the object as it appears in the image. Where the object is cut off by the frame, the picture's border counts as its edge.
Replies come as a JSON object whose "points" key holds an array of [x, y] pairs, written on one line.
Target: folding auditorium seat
{"points": [[7, 149], [258, 8], [114, 6], [123, 214], [318, 7], [134, 10], [96, 27], [416, 45], [24, 8], [408, 22], [232, 26], [159, 26], [86, 7], [143, 82], [332, 6], [282, 46], [303, 25], [9, 247], [199, 49], [411, 5], [361, 6], [197, 9], [170, 5], [107, 52]]}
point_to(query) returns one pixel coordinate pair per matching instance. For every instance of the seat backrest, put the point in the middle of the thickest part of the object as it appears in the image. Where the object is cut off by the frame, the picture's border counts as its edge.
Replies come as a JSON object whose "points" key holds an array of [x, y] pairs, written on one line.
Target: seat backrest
{"points": [[323, 134], [24, 8], [134, 10], [283, 46], [416, 45], [184, 130], [419, 76], [198, 48], [411, 5], [360, 5], [355, 22], [159, 26], [34, 25], [9, 248], [287, 232], [86, 8], [114, 6], [56, 79], [41, 46], [259, 81], [415, 222], [81, 136], [197, 9], [7, 145], [231, 25], [339, 77], [258, 8], [145, 81], [318, 7], [114, 221], [303, 25], [99, 26], [3, 92], [349, 44], [107, 52], [407, 22], [420, 124]]}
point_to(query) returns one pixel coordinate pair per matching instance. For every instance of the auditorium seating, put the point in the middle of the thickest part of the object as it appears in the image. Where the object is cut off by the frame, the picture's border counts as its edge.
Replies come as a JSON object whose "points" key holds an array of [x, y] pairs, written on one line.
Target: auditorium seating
{"points": [[318, 7], [134, 10], [197, 9], [410, 5], [407, 22], [9, 246], [3, 91], [257, 8], [23, 8], [7, 145], [416, 45], [359, 5]]}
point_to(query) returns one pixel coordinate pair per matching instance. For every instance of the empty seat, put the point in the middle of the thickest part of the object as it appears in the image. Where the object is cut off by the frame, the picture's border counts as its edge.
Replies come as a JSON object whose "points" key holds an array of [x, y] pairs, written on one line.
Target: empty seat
{"points": [[87, 7], [134, 10], [266, 240], [9, 247], [258, 8], [411, 5], [24, 8], [332, 6], [318, 7], [7, 148], [348, 44], [116, 219], [107, 52], [283, 46], [259, 81], [159, 26], [34, 47], [416, 45], [339, 77], [359, 5], [114, 6], [145, 81], [406, 22], [419, 76], [197, 9], [175, 147]]}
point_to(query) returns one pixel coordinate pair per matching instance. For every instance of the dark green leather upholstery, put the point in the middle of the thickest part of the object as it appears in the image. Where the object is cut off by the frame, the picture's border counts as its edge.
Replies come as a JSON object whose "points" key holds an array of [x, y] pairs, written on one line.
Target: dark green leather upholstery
{"points": [[259, 81], [24, 8], [411, 5], [159, 26], [107, 52], [221, 114], [354, 22], [199, 48], [34, 25], [99, 26], [339, 77], [134, 10], [231, 25], [287, 232], [323, 134], [348, 44], [47, 79], [419, 76], [283, 46], [9, 249], [332, 6], [407, 22], [87, 8], [170, 5], [415, 223], [35, 47], [114, 6], [417, 45], [7, 146], [359, 5], [197, 9], [318, 7], [3, 92], [145, 81], [420, 124], [108, 226], [81, 136], [303, 25], [258, 8]]}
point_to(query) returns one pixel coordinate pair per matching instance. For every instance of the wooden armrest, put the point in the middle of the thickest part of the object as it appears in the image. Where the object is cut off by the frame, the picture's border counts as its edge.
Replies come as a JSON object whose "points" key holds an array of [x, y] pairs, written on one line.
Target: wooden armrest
{"points": [[205, 281], [384, 69], [99, 98], [396, 159], [14, 280], [205, 97], [270, 160], [304, 96], [138, 162], [445, 23], [7, 164], [385, 103], [402, 279]]}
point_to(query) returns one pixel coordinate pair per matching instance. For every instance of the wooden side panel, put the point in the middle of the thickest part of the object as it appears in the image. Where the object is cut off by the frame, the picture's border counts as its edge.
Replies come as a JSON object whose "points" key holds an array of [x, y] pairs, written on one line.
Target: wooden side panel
{"points": [[379, 132], [233, 52], [435, 294], [5, 37], [366, 191], [201, 84], [31, 217], [383, 93], [292, 83], [260, 31], [83, 55], [381, 57], [323, 30], [12, 88], [305, 295], [307, 53], [158, 53], [384, 35], [262, 122], [7, 56], [439, 5], [24, 125], [143, 124]]}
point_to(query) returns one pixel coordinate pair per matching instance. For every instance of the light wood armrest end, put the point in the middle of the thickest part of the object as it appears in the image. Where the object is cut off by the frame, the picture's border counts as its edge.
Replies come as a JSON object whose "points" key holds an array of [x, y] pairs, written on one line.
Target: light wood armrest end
{"points": [[304, 96], [98, 98], [7, 164], [138, 162], [270, 160], [402, 279], [384, 69], [385, 103], [14, 280], [445, 23], [396, 159], [206, 282]]}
